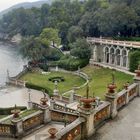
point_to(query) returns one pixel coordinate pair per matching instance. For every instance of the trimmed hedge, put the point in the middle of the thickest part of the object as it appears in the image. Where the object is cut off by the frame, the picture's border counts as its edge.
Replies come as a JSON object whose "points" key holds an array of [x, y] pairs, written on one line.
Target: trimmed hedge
{"points": [[37, 87], [7, 111], [71, 64]]}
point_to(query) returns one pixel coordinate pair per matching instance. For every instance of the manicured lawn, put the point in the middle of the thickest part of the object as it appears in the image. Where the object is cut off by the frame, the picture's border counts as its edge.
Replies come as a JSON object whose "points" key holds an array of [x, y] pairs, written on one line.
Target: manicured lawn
{"points": [[2, 116], [100, 78], [43, 80]]}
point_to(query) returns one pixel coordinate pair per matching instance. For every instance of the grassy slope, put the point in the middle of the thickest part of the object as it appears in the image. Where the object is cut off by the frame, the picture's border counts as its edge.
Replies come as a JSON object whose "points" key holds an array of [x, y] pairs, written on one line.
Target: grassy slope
{"points": [[68, 84], [100, 77]]}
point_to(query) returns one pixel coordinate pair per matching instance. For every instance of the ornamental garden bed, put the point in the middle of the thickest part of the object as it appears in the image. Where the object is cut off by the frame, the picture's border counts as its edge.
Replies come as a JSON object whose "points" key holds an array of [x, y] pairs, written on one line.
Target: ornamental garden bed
{"points": [[66, 81]]}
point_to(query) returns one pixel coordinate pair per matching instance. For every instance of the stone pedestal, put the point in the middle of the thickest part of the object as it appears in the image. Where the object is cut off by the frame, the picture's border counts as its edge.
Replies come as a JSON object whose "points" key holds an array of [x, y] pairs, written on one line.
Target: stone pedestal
{"points": [[113, 100], [19, 126], [71, 99], [47, 114], [30, 105], [88, 128], [56, 92], [137, 80], [52, 102]]}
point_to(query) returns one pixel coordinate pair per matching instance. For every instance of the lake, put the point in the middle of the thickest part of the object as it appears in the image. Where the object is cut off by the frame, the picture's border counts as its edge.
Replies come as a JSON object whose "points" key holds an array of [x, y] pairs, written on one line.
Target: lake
{"points": [[9, 60]]}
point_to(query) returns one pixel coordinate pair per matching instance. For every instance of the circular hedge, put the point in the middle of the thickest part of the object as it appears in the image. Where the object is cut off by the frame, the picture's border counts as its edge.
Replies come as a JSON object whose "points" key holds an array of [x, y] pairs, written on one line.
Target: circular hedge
{"points": [[58, 79]]}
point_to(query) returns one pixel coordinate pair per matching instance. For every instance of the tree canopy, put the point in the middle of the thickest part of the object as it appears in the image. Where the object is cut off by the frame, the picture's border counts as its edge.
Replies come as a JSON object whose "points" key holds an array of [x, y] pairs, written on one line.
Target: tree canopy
{"points": [[92, 17]]}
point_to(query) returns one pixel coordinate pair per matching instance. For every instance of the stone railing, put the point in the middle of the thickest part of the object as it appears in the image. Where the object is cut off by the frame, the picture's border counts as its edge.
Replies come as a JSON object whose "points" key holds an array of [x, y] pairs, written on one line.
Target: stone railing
{"points": [[114, 42], [63, 108], [74, 130], [125, 96], [102, 114], [15, 80]]}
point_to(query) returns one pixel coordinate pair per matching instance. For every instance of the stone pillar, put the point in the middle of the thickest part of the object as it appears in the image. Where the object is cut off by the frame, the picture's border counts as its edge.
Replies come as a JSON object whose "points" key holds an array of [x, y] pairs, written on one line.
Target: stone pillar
{"points": [[18, 123], [52, 102], [127, 93], [137, 79], [45, 108], [112, 98], [71, 99], [87, 111], [30, 105], [88, 128], [47, 114], [95, 53], [121, 61]]}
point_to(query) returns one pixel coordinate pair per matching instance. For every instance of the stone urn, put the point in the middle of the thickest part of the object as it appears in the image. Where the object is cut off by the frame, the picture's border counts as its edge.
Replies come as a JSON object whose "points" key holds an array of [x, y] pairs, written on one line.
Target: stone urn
{"points": [[44, 101], [52, 132], [87, 102], [111, 88]]}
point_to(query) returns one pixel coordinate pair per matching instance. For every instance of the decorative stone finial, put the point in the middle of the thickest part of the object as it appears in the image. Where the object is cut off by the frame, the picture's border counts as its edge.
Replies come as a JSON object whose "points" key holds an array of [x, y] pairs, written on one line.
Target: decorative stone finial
{"points": [[112, 86], [15, 112]]}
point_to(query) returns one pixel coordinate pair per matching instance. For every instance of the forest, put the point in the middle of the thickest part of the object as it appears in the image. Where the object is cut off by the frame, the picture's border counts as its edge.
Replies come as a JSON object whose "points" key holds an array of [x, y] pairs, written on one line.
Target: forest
{"points": [[69, 22], [74, 18]]}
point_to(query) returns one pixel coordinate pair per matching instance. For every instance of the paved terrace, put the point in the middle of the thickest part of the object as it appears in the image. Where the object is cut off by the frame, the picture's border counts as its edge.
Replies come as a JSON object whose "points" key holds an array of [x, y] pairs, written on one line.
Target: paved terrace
{"points": [[126, 126], [10, 96], [114, 42]]}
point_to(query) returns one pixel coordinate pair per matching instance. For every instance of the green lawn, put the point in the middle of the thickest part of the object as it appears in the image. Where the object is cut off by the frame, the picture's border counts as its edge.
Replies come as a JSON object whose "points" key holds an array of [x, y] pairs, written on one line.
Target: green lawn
{"points": [[100, 78], [43, 80], [3, 116], [22, 115]]}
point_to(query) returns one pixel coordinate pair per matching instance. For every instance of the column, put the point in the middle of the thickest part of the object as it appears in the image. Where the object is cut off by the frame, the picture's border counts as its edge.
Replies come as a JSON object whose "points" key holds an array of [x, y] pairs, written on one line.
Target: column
{"points": [[137, 79], [111, 97], [18, 123]]}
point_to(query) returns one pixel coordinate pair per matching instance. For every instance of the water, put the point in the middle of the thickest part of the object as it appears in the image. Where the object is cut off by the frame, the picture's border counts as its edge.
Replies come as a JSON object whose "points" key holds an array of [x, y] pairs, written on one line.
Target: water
{"points": [[9, 60]]}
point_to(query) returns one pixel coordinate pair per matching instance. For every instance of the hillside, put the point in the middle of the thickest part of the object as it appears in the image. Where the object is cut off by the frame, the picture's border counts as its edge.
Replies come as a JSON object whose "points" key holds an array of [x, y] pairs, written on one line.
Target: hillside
{"points": [[26, 5]]}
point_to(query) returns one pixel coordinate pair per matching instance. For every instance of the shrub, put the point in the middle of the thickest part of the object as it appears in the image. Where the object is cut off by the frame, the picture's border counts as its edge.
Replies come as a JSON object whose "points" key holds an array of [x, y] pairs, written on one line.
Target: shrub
{"points": [[44, 67], [72, 63], [134, 60], [40, 88], [7, 111]]}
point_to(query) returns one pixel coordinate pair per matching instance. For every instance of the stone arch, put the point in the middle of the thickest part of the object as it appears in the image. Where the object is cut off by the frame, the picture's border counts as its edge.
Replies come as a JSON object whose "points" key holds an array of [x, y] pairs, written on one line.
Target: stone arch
{"points": [[106, 51], [118, 57], [124, 58], [112, 55]]}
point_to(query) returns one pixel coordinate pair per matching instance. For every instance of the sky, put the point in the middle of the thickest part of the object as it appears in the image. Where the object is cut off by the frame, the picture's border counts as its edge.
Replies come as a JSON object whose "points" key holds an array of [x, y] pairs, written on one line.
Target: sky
{"points": [[4, 4]]}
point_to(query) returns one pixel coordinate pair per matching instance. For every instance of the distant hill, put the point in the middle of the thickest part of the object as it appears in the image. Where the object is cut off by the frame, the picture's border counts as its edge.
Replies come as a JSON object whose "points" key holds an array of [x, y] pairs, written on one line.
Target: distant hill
{"points": [[26, 5]]}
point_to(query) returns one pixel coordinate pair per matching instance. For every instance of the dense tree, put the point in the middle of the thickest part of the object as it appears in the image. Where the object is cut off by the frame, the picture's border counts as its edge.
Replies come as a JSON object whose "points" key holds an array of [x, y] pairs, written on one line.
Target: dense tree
{"points": [[80, 49], [74, 32], [49, 36], [32, 49], [74, 19]]}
